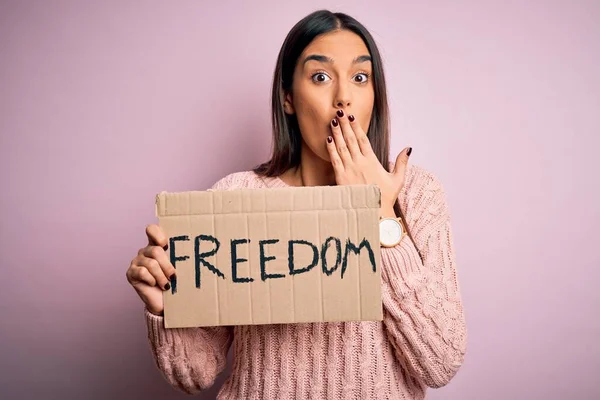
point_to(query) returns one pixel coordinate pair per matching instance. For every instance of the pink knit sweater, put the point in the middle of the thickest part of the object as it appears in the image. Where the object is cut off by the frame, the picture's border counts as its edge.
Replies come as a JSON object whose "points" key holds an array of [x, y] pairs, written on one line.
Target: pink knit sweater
{"points": [[421, 341]]}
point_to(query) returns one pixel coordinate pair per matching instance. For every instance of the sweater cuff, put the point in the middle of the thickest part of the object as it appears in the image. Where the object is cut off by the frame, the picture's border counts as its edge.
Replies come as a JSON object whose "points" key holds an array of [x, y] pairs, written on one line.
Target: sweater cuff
{"points": [[157, 333], [402, 267]]}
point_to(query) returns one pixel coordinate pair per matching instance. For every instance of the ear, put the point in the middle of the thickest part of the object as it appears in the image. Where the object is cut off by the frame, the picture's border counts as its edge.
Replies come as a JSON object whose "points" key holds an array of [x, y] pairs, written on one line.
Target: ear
{"points": [[288, 104]]}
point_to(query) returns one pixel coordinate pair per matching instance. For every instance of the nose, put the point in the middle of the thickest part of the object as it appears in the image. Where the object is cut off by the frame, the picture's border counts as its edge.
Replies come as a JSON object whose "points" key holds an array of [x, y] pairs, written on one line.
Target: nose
{"points": [[342, 98]]}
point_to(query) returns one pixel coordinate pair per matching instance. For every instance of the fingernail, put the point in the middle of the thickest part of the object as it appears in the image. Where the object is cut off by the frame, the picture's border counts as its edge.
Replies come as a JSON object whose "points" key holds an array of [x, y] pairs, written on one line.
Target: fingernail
{"points": [[167, 286], [351, 118], [329, 139], [340, 113], [334, 122], [172, 277], [409, 151], [165, 247]]}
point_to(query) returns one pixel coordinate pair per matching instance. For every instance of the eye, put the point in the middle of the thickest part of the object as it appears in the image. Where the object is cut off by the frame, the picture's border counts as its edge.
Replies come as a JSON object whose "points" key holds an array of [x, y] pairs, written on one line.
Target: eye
{"points": [[320, 77], [361, 78]]}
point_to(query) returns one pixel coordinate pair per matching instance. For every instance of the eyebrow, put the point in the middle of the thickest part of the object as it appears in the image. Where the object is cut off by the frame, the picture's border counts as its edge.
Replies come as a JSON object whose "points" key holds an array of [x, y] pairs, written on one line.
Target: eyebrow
{"points": [[329, 60]]}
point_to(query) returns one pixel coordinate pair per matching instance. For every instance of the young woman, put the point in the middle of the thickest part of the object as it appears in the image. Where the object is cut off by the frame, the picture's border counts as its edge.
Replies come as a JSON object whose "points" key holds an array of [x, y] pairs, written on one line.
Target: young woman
{"points": [[330, 127]]}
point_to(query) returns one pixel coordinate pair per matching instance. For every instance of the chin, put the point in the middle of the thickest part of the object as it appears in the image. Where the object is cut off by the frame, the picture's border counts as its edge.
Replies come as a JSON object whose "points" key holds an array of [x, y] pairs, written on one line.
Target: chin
{"points": [[324, 155], [317, 149]]}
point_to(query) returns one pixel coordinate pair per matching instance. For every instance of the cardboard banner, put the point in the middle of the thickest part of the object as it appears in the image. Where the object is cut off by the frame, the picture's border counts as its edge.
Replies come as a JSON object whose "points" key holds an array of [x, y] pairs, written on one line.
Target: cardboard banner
{"points": [[265, 256]]}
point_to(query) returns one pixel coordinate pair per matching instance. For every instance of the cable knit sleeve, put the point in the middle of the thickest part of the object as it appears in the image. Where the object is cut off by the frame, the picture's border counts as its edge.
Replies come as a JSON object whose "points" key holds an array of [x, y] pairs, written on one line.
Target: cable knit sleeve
{"points": [[191, 358], [423, 312]]}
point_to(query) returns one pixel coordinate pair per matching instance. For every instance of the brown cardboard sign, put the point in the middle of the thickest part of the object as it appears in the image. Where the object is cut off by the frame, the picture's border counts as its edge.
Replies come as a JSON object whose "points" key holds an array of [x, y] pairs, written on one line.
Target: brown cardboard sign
{"points": [[279, 255]]}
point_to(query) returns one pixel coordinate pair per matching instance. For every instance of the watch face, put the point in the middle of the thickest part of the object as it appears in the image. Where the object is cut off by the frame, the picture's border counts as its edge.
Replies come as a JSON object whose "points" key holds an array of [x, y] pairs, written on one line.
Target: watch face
{"points": [[390, 232]]}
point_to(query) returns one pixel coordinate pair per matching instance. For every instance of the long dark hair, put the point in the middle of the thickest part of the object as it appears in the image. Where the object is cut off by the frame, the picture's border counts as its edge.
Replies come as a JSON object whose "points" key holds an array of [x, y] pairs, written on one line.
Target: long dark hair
{"points": [[287, 141]]}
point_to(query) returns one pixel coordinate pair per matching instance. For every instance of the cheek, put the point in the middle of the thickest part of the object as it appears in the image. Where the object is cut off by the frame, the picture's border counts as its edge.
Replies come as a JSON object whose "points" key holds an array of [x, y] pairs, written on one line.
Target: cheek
{"points": [[313, 125], [311, 116], [367, 111], [365, 121], [307, 115], [365, 118]]}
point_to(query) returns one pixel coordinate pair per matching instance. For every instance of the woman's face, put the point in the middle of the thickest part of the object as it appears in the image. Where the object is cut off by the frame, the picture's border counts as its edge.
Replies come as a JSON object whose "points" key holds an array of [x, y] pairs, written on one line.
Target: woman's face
{"points": [[333, 73]]}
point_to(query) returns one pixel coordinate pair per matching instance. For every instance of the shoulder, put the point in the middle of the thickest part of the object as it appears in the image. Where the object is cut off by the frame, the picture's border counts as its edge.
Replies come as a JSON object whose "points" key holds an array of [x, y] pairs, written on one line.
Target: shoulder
{"points": [[238, 180]]}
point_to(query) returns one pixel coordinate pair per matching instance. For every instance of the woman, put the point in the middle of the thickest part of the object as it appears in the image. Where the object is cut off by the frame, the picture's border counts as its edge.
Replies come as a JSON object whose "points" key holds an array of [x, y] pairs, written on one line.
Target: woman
{"points": [[330, 126]]}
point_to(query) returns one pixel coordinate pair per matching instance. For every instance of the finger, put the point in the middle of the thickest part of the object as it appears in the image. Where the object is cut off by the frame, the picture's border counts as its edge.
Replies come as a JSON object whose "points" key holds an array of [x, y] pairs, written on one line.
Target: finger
{"points": [[160, 255], [156, 270], [336, 161], [402, 162], [340, 143], [361, 137], [141, 274], [349, 135], [156, 236]]}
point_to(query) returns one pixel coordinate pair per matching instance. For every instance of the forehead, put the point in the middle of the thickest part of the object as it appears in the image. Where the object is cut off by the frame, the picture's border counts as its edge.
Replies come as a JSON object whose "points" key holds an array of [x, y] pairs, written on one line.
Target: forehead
{"points": [[343, 46]]}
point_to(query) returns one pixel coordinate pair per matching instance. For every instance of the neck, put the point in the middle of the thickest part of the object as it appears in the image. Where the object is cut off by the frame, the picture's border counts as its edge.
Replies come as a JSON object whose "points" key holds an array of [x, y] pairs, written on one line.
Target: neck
{"points": [[312, 171]]}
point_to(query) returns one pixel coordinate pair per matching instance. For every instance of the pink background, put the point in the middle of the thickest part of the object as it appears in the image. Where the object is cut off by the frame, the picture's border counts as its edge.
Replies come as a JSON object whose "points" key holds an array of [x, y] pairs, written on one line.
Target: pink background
{"points": [[104, 104]]}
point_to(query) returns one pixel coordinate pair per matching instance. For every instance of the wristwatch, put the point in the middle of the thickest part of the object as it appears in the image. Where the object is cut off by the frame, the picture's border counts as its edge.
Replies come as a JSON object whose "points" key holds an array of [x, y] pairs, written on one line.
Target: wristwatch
{"points": [[391, 231]]}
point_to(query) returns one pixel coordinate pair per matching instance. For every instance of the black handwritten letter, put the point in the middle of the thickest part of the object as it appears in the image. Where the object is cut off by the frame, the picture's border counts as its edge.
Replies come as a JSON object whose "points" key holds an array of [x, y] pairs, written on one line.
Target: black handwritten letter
{"points": [[291, 256], [235, 260], [263, 260], [356, 250], [338, 257], [174, 258], [200, 256]]}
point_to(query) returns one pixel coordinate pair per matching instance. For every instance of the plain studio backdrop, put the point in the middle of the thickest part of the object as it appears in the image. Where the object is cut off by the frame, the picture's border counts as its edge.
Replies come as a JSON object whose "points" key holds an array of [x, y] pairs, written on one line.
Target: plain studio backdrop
{"points": [[105, 104]]}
